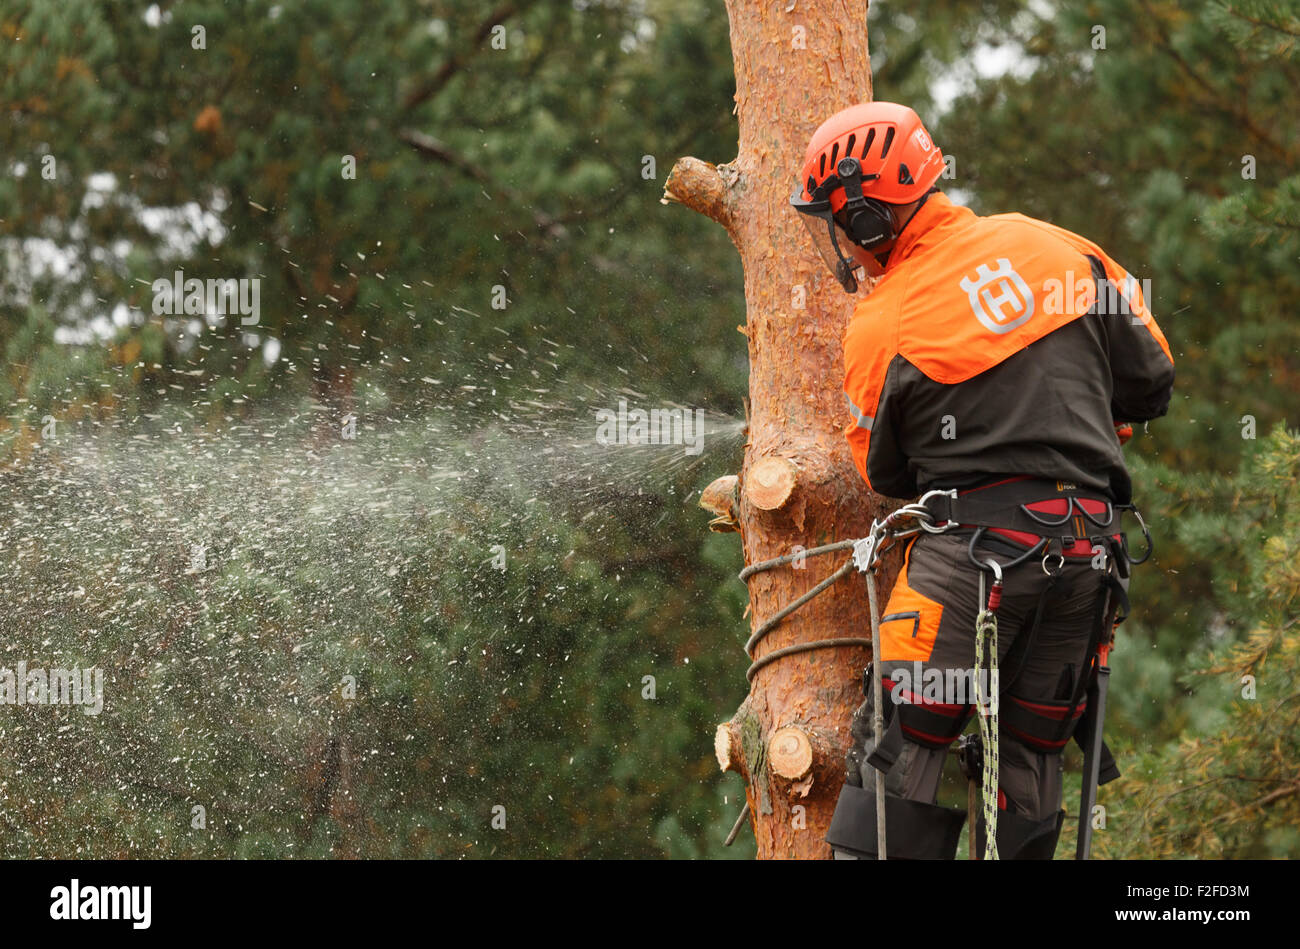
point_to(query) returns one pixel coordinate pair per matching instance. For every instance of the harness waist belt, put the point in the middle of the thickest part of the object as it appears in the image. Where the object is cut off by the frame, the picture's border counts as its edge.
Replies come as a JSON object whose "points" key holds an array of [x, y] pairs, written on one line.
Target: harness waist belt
{"points": [[1026, 510]]}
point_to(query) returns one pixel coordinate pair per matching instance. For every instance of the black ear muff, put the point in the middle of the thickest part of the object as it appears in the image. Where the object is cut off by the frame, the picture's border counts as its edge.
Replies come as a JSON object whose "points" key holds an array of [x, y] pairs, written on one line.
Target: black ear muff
{"points": [[871, 225], [867, 222]]}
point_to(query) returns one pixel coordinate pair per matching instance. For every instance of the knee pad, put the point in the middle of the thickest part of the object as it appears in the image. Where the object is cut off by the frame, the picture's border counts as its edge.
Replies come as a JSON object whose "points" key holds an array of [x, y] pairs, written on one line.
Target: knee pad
{"points": [[914, 830], [1047, 726], [925, 722]]}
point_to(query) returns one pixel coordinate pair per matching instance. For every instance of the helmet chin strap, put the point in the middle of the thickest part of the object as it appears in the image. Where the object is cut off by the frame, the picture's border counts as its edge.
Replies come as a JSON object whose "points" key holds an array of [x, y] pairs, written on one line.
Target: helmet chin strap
{"points": [[920, 204]]}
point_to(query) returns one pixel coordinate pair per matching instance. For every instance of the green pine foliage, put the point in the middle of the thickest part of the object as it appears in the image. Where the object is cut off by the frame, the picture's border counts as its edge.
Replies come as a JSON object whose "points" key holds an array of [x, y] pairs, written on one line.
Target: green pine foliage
{"points": [[1228, 787]]}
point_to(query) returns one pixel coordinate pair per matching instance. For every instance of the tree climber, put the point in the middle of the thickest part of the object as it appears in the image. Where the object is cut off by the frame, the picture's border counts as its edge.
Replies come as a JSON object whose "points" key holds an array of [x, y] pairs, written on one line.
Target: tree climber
{"points": [[992, 367]]}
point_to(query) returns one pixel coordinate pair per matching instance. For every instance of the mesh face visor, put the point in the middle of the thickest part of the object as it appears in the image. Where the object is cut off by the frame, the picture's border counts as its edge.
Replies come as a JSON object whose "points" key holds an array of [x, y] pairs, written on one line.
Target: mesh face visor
{"points": [[820, 221]]}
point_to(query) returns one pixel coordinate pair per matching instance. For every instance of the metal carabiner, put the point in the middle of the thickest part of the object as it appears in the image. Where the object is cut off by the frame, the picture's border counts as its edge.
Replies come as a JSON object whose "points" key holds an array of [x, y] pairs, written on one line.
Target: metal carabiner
{"points": [[996, 568], [1060, 564], [866, 551], [1146, 536]]}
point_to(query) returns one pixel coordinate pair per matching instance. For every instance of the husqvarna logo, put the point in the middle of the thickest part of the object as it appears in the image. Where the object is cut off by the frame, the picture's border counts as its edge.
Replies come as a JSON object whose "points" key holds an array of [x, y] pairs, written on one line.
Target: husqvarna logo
{"points": [[1000, 299]]}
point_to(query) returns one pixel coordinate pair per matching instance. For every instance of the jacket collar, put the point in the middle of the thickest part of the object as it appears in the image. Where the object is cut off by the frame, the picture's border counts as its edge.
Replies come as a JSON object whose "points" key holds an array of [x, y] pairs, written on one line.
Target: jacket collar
{"points": [[938, 219]]}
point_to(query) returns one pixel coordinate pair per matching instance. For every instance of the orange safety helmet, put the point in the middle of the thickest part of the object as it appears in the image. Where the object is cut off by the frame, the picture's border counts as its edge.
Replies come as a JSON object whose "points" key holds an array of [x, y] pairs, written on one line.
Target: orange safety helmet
{"points": [[860, 161]]}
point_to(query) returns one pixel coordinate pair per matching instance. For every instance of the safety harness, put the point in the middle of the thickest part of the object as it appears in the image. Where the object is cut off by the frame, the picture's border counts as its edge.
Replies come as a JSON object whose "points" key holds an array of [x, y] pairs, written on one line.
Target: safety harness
{"points": [[1013, 515]]}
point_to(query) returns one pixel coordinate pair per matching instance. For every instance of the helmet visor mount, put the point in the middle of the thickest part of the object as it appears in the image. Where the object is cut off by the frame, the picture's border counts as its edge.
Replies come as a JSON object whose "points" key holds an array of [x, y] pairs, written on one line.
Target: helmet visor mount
{"points": [[826, 232]]}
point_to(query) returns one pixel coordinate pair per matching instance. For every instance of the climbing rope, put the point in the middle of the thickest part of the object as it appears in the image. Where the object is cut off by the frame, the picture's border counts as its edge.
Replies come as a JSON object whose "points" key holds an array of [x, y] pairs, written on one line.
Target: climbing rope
{"points": [[986, 702], [877, 707], [866, 553]]}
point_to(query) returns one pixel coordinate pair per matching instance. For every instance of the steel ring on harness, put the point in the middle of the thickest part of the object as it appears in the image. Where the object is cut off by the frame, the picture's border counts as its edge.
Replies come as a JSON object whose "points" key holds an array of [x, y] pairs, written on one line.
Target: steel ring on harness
{"points": [[926, 520], [1060, 564]]}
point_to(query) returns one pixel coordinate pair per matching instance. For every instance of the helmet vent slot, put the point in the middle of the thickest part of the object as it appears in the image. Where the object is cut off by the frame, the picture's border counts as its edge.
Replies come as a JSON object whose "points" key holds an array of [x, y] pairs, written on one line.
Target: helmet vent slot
{"points": [[835, 153], [889, 138], [866, 146], [848, 149]]}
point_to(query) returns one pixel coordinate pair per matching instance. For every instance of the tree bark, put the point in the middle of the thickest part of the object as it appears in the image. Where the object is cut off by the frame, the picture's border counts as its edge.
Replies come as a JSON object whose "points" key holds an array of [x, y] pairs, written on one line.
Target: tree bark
{"points": [[797, 63]]}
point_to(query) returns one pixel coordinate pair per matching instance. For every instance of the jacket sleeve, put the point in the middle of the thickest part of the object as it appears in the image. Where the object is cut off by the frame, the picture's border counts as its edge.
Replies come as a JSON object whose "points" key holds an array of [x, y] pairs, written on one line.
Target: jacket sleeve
{"points": [[870, 348], [1141, 366]]}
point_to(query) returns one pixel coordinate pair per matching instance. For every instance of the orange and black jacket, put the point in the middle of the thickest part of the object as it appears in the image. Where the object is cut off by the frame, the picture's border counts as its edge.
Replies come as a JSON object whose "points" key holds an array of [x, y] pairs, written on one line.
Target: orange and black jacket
{"points": [[998, 346]]}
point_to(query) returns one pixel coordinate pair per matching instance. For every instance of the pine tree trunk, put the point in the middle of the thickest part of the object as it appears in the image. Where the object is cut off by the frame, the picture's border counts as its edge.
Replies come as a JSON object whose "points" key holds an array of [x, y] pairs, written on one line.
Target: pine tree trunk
{"points": [[797, 63]]}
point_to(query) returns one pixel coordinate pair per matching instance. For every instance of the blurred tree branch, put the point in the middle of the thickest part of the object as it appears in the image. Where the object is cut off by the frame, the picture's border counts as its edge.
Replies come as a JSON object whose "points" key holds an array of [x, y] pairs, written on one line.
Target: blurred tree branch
{"points": [[453, 65], [1235, 108]]}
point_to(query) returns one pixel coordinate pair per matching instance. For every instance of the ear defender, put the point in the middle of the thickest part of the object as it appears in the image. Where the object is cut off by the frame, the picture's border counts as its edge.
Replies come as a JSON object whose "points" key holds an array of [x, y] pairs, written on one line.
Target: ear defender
{"points": [[867, 222]]}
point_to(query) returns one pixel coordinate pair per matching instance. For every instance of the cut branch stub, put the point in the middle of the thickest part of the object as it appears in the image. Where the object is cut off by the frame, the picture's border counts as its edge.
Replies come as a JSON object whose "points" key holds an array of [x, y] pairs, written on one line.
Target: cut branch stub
{"points": [[805, 755], [770, 482], [702, 187], [790, 752], [720, 497], [727, 747]]}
